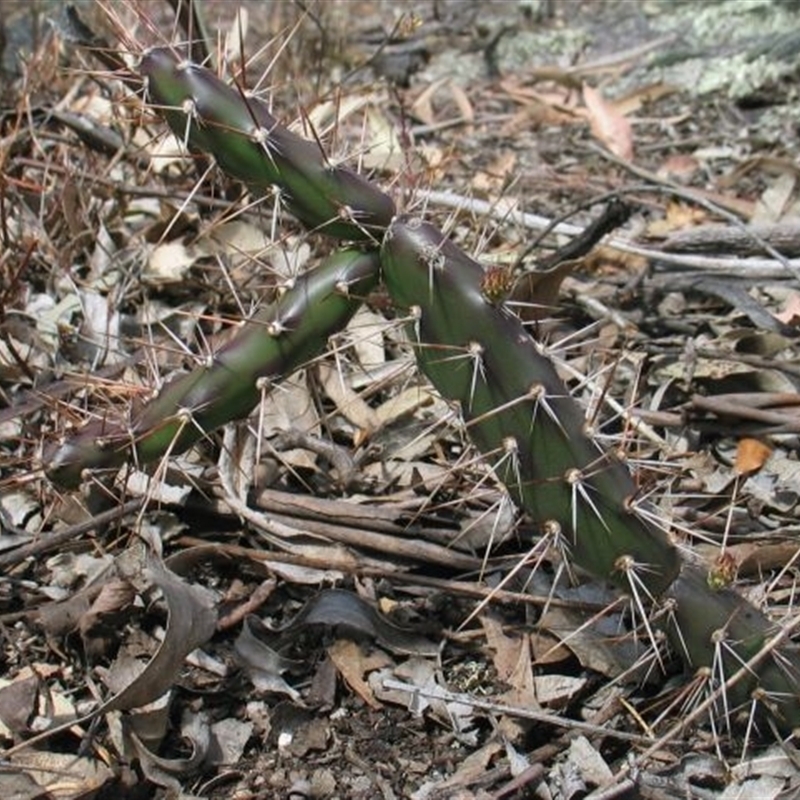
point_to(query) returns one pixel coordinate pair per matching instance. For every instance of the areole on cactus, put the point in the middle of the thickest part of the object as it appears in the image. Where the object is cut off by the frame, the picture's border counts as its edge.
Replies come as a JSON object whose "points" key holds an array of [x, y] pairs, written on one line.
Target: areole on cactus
{"points": [[475, 351]]}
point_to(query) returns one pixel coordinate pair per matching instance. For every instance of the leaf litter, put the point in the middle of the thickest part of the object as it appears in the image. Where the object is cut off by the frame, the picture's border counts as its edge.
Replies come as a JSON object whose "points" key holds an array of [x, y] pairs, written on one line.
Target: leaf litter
{"points": [[454, 715]]}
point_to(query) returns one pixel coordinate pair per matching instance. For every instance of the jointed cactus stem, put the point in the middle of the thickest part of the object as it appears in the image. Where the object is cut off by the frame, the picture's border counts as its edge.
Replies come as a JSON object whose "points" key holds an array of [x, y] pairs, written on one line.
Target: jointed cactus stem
{"points": [[276, 341], [521, 417], [248, 143], [516, 408]]}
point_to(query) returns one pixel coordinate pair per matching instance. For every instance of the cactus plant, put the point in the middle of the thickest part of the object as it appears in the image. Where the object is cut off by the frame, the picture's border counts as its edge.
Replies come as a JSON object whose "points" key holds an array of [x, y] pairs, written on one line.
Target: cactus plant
{"points": [[276, 341], [515, 406], [516, 409]]}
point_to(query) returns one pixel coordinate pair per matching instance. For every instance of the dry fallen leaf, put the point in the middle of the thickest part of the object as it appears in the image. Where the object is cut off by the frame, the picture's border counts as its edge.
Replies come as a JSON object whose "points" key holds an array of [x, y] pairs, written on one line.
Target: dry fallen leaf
{"points": [[679, 216], [593, 767], [192, 619], [383, 148], [263, 664], [60, 775], [347, 401], [353, 664], [643, 96], [751, 455], [167, 264], [791, 311], [19, 700], [505, 649], [775, 199], [496, 175], [470, 770], [608, 125], [339, 609], [463, 103], [535, 294], [679, 167], [422, 107]]}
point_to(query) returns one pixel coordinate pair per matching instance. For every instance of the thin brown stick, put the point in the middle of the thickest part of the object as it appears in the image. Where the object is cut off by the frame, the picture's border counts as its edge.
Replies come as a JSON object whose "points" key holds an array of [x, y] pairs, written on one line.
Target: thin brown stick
{"points": [[53, 541]]}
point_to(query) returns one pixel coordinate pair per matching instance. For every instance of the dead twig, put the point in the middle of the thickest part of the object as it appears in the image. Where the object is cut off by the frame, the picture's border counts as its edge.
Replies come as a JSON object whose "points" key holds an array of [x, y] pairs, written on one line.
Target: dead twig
{"points": [[54, 541]]}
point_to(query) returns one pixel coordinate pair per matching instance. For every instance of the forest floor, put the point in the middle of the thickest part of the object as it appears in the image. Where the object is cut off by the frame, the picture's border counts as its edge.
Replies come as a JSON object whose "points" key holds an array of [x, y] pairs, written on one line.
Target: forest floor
{"points": [[365, 613]]}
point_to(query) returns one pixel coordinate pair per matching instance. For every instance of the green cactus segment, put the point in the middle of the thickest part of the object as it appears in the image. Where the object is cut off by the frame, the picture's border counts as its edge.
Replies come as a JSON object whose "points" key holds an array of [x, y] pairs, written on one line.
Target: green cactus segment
{"points": [[516, 408], [249, 144], [721, 630], [273, 344], [521, 417]]}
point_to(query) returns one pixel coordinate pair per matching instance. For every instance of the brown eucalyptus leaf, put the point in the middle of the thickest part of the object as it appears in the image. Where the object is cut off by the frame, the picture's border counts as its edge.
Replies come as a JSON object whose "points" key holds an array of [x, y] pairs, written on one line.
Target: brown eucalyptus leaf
{"points": [[196, 731], [228, 740], [505, 649], [596, 643], [21, 786], [263, 664], [790, 314], [524, 689], [608, 125], [353, 663], [469, 771], [555, 691], [751, 455], [348, 402], [535, 295], [116, 596], [34, 701], [593, 767], [64, 775], [310, 735], [322, 691], [19, 700], [61, 619]]}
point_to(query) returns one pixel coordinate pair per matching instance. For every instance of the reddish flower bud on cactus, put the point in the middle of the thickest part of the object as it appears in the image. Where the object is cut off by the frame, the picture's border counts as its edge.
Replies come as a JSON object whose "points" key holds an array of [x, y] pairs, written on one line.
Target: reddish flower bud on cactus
{"points": [[497, 284]]}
